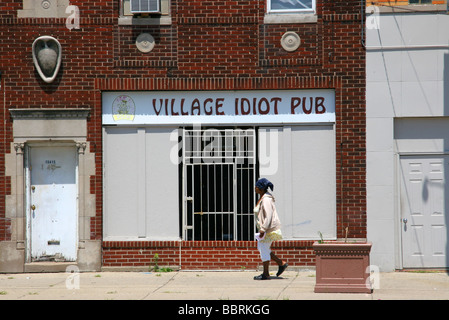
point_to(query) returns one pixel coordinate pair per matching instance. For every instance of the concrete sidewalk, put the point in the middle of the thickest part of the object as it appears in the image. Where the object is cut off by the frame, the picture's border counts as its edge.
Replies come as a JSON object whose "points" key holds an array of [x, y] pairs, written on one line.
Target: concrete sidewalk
{"points": [[209, 285]]}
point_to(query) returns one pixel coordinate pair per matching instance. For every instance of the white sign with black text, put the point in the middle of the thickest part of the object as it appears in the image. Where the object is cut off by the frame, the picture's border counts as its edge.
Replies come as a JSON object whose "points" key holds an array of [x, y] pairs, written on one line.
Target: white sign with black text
{"points": [[219, 107]]}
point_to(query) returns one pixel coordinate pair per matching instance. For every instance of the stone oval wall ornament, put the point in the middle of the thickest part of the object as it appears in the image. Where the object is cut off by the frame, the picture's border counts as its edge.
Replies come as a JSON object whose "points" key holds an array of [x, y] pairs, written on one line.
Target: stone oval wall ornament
{"points": [[145, 42], [47, 55], [290, 41]]}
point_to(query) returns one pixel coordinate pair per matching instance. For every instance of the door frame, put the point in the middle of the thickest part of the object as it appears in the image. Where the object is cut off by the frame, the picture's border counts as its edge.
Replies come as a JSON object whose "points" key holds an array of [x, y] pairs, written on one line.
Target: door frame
{"points": [[27, 178], [398, 189]]}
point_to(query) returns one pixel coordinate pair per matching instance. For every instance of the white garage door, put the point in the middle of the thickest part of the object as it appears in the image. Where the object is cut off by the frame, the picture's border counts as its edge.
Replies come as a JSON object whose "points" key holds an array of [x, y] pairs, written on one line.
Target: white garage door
{"points": [[423, 208]]}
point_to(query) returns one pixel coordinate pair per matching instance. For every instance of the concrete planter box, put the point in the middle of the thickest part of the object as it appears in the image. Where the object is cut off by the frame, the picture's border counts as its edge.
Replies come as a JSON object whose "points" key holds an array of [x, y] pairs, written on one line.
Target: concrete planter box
{"points": [[342, 267]]}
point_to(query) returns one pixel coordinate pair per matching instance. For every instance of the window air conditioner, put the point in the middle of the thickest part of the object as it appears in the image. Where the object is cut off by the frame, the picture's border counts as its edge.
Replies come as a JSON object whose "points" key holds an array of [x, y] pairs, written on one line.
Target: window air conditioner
{"points": [[145, 6]]}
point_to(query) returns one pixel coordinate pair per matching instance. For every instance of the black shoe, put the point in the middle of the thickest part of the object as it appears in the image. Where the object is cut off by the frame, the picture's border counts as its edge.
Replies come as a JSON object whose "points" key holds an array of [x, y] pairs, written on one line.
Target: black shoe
{"points": [[261, 277], [281, 269]]}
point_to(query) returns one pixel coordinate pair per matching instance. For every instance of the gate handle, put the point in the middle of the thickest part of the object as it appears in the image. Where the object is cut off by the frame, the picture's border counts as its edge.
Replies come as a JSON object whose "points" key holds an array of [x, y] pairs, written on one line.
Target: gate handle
{"points": [[405, 220], [33, 207]]}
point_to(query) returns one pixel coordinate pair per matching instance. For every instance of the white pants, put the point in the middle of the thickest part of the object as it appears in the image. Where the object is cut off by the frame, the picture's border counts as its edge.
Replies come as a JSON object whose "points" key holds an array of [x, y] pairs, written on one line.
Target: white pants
{"points": [[264, 249]]}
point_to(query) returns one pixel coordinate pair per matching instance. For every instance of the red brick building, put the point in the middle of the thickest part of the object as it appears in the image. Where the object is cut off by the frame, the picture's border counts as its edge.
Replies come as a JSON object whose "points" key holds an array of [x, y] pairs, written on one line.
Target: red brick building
{"points": [[156, 125]]}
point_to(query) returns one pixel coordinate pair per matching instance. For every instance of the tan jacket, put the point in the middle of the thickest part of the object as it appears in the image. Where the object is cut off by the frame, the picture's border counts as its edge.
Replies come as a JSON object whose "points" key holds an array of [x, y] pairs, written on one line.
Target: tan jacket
{"points": [[268, 217]]}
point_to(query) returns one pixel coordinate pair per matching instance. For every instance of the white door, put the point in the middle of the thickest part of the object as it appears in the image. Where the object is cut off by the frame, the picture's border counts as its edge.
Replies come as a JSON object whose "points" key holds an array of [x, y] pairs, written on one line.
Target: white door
{"points": [[53, 203], [424, 199]]}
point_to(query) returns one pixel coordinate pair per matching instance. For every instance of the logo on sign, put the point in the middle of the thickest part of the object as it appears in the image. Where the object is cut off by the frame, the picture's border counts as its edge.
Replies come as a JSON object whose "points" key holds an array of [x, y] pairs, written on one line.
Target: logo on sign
{"points": [[123, 108]]}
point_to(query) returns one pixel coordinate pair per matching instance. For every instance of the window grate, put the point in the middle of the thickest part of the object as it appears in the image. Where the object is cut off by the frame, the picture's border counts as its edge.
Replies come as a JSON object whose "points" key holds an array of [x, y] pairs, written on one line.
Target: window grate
{"points": [[218, 178]]}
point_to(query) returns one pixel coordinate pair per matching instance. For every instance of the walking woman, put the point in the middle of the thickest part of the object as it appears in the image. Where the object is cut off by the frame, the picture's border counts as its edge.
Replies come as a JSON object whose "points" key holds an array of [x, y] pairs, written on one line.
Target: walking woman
{"points": [[269, 227]]}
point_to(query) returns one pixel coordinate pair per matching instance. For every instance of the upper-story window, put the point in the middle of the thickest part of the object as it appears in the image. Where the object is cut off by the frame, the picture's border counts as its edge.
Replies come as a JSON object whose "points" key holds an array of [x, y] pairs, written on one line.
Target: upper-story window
{"points": [[127, 17], [291, 6]]}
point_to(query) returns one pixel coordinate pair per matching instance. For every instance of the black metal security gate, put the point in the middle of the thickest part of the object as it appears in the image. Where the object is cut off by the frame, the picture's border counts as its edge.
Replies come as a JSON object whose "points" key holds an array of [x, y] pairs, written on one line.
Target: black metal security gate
{"points": [[218, 183]]}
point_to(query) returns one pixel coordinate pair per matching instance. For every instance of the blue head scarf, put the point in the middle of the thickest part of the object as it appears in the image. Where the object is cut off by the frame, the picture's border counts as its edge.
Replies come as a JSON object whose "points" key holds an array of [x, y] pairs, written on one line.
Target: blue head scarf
{"points": [[264, 184]]}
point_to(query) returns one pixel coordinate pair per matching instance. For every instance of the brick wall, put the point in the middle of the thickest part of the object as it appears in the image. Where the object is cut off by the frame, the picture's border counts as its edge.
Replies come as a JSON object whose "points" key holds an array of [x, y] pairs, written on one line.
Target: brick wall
{"points": [[210, 45]]}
